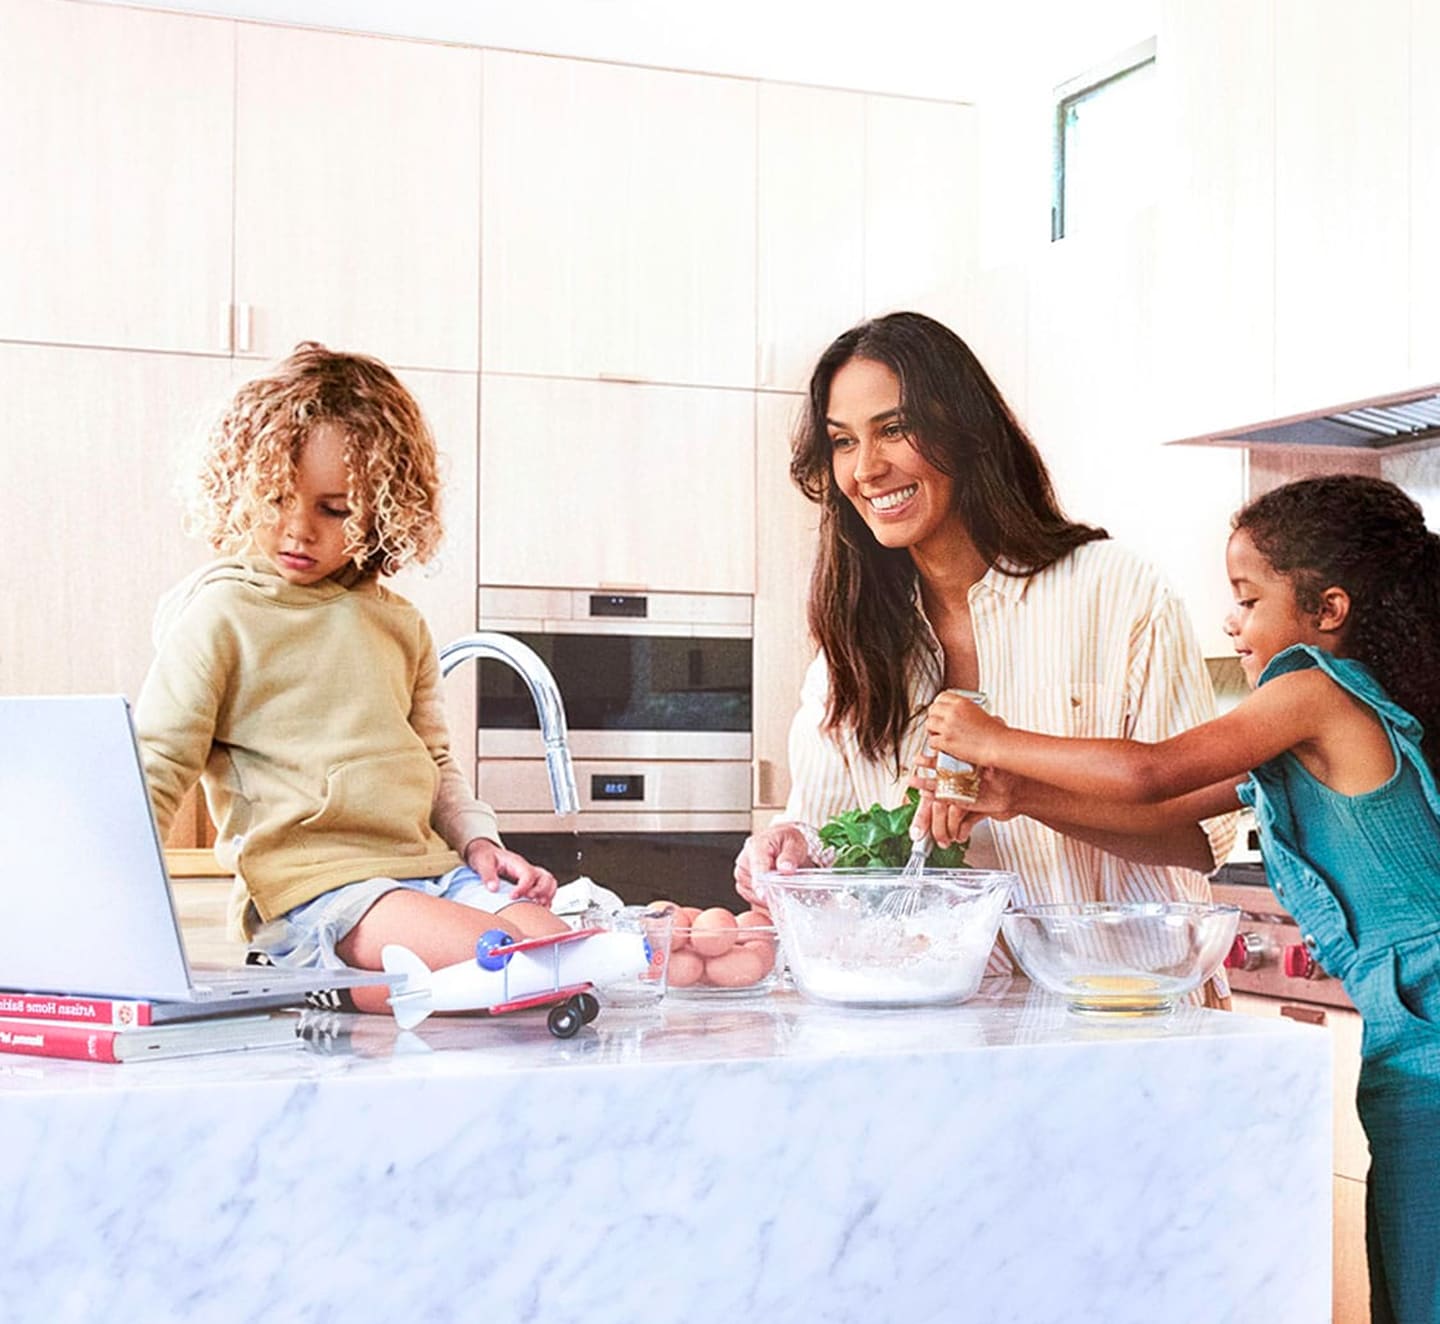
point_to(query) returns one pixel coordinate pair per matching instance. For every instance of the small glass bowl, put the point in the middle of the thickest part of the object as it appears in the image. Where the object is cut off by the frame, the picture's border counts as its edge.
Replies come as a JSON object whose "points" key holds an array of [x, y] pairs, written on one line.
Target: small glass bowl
{"points": [[721, 964]]}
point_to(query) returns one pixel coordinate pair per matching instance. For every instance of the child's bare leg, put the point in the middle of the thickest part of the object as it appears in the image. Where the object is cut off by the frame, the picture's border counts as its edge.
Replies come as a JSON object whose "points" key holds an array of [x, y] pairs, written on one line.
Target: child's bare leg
{"points": [[439, 932]]}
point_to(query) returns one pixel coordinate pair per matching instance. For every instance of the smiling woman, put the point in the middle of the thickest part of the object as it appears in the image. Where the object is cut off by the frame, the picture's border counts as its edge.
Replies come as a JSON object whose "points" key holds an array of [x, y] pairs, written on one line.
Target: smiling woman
{"points": [[945, 562]]}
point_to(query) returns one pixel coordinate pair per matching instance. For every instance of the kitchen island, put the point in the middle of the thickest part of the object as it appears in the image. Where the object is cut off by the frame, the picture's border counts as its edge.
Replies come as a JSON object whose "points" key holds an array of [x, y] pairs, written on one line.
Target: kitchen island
{"points": [[767, 1160]]}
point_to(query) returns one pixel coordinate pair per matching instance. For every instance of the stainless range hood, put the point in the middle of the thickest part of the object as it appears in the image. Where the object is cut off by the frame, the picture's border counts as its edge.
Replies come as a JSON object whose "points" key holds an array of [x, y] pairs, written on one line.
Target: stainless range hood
{"points": [[1389, 424]]}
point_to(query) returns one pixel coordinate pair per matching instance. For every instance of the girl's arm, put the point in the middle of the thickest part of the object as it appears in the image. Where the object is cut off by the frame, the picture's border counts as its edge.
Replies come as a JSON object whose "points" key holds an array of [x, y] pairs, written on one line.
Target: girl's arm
{"points": [[1166, 833], [1285, 712]]}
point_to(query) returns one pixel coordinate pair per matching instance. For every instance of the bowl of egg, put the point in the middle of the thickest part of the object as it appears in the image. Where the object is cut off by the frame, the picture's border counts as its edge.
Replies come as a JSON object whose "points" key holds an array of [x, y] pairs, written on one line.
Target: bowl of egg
{"points": [[716, 953]]}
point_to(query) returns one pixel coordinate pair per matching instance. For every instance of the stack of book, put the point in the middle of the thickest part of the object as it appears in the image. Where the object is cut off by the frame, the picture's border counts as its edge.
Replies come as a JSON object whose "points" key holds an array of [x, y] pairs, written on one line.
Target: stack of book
{"points": [[132, 1030]]}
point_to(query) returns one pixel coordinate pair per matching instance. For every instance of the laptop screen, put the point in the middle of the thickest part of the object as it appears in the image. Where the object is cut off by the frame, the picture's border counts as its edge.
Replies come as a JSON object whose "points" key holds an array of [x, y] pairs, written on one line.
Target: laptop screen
{"points": [[85, 906]]}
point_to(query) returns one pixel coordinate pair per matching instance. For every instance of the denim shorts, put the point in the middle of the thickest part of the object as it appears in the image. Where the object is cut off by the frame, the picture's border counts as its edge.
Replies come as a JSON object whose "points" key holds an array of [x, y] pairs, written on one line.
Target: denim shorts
{"points": [[305, 937]]}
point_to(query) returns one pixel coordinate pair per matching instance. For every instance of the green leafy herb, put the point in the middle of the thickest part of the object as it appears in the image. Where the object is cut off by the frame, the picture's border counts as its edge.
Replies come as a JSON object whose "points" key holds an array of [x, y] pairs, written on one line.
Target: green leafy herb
{"points": [[867, 838]]}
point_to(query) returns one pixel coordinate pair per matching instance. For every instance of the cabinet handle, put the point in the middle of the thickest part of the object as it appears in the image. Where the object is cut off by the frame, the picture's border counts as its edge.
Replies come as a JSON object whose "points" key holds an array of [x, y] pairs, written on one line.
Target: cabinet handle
{"points": [[244, 326], [1306, 1015]]}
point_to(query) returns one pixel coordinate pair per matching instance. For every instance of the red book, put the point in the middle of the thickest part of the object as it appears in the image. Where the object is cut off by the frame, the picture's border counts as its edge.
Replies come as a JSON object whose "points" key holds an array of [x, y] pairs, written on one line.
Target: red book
{"points": [[117, 1012], [97, 1043]]}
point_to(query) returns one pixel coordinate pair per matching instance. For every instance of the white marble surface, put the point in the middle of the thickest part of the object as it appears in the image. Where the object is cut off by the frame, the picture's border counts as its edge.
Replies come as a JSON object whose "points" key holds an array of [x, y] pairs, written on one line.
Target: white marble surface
{"points": [[767, 1161]]}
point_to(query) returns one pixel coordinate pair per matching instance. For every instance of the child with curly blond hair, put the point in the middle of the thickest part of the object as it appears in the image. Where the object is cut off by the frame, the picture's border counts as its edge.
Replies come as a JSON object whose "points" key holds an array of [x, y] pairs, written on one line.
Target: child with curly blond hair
{"points": [[305, 696]]}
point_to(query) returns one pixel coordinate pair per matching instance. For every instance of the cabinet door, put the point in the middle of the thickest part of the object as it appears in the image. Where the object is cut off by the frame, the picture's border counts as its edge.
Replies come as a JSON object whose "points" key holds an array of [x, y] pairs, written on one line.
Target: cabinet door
{"points": [[1424, 193], [445, 589], [357, 196], [921, 217], [115, 145], [1215, 273], [91, 445], [811, 227], [619, 227], [608, 484], [786, 525], [1342, 214]]}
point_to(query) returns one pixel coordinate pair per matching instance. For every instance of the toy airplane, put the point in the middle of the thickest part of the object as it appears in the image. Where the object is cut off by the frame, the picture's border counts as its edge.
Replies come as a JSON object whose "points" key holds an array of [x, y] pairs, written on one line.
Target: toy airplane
{"points": [[507, 975]]}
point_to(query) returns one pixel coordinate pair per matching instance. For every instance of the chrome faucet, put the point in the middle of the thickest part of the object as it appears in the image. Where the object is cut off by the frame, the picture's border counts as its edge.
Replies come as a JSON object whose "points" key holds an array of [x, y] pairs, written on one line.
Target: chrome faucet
{"points": [[543, 690]]}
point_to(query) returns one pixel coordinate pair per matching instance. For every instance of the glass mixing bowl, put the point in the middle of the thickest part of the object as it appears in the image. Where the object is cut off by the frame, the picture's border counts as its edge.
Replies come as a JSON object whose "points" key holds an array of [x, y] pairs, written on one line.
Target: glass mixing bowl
{"points": [[872, 938], [1132, 958]]}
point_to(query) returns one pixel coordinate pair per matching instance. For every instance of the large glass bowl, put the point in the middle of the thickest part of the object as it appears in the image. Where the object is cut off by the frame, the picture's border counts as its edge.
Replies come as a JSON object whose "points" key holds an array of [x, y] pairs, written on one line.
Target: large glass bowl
{"points": [[873, 938], [1132, 958]]}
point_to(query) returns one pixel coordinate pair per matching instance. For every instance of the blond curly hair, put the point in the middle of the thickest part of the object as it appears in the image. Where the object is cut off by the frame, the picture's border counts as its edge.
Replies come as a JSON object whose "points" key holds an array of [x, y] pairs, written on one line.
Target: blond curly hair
{"points": [[248, 466]]}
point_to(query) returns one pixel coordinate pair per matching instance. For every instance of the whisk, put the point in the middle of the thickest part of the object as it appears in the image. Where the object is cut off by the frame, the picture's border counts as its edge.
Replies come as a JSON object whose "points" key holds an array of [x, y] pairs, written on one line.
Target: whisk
{"points": [[904, 899]]}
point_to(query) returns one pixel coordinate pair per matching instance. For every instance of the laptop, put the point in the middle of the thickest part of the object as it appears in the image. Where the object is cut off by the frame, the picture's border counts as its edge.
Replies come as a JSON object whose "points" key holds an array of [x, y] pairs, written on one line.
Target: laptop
{"points": [[85, 901]]}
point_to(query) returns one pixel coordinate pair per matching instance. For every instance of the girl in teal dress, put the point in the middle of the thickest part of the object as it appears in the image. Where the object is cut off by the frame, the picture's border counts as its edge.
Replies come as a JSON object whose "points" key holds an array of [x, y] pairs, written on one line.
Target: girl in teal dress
{"points": [[1337, 626]]}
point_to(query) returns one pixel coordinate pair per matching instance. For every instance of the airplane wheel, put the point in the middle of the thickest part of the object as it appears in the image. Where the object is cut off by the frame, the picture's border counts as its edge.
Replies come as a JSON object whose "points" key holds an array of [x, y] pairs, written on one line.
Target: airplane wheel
{"points": [[588, 1005], [564, 1020]]}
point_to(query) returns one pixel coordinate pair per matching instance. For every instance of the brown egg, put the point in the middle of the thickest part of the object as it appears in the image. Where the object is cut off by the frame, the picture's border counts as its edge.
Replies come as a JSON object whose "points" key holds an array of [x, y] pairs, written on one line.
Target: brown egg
{"points": [[687, 915], [754, 919], [738, 968], [713, 932], [685, 969]]}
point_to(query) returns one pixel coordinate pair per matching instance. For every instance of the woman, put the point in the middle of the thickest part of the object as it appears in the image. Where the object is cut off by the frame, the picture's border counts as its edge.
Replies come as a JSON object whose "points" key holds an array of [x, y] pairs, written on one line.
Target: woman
{"points": [[945, 563]]}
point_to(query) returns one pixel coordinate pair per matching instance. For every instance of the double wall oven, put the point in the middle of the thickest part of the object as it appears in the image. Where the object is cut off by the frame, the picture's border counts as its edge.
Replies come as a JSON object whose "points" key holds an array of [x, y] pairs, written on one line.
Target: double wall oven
{"points": [[658, 702]]}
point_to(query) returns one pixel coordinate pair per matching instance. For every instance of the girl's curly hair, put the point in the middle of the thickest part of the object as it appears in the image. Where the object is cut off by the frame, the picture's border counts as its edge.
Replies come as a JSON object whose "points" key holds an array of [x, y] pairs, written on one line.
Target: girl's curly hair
{"points": [[251, 453], [1366, 536]]}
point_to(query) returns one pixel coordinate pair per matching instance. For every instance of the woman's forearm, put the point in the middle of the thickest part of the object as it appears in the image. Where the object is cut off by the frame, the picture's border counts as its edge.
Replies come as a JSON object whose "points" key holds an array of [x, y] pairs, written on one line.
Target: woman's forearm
{"points": [[1167, 832]]}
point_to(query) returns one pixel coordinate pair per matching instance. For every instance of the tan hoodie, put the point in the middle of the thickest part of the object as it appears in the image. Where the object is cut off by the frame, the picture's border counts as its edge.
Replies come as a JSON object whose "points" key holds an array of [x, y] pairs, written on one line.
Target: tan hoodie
{"points": [[313, 717]]}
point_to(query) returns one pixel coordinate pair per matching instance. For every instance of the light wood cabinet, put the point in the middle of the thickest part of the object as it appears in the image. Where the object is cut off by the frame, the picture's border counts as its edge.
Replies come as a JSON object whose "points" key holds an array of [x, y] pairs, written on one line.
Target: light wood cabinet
{"points": [[1342, 213], [357, 196], [615, 485], [786, 525], [619, 222], [444, 591], [115, 149], [921, 207], [1424, 192], [811, 258], [1215, 269], [92, 443]]}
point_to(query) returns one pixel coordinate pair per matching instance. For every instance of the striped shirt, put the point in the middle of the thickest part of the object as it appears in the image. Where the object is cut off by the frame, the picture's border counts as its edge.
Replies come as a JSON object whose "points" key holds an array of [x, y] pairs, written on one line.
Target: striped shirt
{"points": [[1095, 645]]}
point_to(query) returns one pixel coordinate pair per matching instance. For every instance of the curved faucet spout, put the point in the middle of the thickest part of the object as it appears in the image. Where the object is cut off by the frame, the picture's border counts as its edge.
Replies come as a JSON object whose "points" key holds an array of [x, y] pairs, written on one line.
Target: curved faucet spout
{"points": [[549, 707]]}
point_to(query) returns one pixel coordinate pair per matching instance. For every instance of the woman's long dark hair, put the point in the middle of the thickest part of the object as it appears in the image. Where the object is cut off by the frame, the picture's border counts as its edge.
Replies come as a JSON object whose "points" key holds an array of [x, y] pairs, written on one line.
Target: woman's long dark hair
{"points": [[1366, 536], [861, 608]]}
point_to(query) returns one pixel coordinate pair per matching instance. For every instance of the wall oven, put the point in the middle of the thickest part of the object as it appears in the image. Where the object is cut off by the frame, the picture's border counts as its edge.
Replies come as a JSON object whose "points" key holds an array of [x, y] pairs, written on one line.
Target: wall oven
{"points": [[658, 700]]}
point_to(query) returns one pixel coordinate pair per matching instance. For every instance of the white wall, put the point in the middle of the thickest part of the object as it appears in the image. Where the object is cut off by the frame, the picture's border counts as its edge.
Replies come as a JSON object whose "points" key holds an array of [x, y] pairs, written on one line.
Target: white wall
{"points": [[954, 50]]}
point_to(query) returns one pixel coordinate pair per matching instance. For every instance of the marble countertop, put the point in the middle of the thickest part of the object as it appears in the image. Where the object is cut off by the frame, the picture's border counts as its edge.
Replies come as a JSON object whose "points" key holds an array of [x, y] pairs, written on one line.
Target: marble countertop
{"points": [[698, 1161], [1006, 1013]]}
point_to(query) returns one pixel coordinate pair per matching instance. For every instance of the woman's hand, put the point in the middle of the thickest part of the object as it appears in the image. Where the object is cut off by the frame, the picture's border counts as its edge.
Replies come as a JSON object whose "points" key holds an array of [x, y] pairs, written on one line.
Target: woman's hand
{"points": [[961, 727], [494, 864], [779, 849]]}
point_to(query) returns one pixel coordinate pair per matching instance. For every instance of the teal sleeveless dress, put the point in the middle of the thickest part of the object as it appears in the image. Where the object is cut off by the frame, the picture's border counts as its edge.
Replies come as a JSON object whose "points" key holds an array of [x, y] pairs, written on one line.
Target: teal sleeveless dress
{"points": [[1361, 876]]}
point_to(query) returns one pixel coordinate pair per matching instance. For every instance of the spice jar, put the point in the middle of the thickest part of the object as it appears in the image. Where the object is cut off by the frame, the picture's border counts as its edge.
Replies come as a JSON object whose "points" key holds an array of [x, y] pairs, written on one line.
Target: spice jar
{"points": [[954, 778]]}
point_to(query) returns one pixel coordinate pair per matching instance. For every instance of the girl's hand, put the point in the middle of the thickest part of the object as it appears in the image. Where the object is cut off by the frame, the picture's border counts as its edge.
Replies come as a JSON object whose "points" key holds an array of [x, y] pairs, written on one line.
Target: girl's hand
{"points": [[962, 728], [495, 864]]}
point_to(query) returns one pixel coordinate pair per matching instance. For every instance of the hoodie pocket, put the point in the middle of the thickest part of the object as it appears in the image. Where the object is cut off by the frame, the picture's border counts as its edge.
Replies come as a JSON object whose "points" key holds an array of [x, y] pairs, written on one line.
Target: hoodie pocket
{"points": [[384, 802]]}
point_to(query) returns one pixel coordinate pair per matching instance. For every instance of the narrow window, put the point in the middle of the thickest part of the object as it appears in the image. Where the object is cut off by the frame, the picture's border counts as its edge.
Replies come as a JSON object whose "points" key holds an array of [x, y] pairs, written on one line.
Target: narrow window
{"points": [[1104, 144]]}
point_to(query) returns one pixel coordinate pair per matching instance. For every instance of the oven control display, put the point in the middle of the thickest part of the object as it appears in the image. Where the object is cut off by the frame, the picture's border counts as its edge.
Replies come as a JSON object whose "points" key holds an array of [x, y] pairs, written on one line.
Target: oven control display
{"points": [[628, 787]]}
